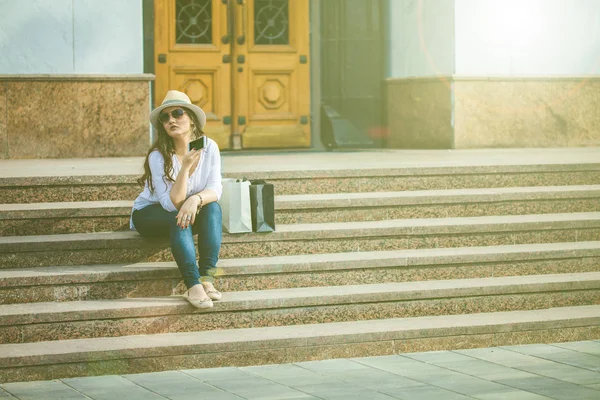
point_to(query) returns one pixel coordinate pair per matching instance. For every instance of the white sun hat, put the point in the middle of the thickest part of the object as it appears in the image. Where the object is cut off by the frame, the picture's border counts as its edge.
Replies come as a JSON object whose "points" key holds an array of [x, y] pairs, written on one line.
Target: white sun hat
{"points": [[177, 98]]}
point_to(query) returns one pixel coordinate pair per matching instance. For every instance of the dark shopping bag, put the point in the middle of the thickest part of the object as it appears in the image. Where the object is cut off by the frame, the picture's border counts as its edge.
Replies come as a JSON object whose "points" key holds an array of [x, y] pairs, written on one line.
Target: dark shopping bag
{"points": [[262, 206]]}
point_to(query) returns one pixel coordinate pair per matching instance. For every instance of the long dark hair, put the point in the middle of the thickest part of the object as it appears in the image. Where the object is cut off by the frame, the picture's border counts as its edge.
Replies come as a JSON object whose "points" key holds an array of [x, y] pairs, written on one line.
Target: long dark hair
{"points": [[164, 144]]}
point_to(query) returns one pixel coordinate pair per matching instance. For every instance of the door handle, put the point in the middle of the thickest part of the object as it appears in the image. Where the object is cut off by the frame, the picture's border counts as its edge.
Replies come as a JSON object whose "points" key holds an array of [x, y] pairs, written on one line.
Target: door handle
{"points": [[242, 39]]}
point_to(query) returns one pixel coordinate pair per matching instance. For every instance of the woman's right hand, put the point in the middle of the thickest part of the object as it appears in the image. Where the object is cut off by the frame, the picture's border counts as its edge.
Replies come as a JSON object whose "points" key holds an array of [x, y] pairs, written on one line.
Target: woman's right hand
{"points": [[190, 159]]}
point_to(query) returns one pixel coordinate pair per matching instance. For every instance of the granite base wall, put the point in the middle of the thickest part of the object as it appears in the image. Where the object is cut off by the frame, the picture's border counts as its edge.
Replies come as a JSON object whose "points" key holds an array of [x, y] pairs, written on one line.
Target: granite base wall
{"points": [[419, 113], [544, 112], [460, 113], [74, 116]]}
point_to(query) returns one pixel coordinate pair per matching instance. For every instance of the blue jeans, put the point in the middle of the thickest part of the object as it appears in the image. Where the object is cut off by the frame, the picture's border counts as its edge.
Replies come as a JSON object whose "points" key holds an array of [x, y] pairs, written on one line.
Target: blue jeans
{"points": [[155, 222]]}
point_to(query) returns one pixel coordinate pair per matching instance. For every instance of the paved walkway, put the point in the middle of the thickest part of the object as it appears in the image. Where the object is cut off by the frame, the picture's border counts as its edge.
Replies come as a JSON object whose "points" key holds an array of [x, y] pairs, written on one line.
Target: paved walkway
{"points": [[562, 371], [240, 162]]}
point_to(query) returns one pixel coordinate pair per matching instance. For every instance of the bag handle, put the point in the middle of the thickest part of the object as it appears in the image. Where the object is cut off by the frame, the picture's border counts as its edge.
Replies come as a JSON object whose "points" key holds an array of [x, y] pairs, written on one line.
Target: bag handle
{"points": [[253, 181]]}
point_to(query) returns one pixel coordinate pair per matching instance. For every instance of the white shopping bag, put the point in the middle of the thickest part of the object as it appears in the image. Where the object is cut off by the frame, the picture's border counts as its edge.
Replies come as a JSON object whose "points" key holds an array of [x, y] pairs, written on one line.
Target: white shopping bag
{"points": [[235, 204]]}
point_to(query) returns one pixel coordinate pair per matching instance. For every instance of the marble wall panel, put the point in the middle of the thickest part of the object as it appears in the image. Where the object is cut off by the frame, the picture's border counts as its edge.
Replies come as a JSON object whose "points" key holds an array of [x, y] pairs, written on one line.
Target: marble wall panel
{"points": [[108, 36], [420, 113], [77, 118], [527, 112], [37, 36]]}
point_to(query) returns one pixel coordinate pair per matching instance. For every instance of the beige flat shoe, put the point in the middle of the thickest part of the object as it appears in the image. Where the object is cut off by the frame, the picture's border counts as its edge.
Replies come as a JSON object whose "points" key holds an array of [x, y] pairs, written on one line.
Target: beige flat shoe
{"points": [[205, 303], [214, 294]]}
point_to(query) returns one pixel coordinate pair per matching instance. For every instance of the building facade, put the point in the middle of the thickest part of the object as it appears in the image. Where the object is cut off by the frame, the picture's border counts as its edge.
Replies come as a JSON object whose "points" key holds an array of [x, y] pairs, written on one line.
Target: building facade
{"points": [[491, 73], [78, 77]]}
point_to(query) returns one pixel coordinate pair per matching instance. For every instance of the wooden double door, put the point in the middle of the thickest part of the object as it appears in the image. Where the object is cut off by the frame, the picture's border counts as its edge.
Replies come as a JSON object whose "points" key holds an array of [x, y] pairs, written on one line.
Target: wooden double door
{"points": [[244, 62]]}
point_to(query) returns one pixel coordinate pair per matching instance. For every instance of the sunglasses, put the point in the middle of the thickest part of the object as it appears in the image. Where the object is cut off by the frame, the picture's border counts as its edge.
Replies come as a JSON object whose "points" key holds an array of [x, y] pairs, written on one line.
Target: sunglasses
{"points": [[165, 117]]}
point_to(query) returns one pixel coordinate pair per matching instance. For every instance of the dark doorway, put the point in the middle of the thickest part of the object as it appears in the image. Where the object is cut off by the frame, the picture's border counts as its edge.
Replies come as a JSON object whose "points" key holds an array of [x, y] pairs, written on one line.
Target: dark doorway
{"points": [[354, 64]]}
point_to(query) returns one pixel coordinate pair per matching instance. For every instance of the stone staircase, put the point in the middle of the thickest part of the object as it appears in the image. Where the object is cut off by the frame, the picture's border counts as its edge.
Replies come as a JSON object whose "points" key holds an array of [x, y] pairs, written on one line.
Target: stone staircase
{"points": [[365, 261]]}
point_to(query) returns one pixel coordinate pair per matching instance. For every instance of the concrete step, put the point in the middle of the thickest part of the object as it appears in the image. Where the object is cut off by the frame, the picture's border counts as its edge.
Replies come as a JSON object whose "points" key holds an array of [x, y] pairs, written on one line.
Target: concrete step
{"points": [[103, 216], [23, 323], [92, 183], [286, 344], [125, 247], [95, 282]]}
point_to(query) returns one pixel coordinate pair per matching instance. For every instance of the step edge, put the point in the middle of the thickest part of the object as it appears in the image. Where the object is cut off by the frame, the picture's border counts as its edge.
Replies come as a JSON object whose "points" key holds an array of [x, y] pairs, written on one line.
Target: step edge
{"points": [[411, 171], [122, 208], [412, 227], [324, 262], [30, 313], [293, 336]]}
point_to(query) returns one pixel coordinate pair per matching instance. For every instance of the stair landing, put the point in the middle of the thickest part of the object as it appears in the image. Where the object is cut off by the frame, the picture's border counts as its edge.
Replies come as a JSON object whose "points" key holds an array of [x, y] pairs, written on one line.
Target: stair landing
{"points": [[252, 162]]}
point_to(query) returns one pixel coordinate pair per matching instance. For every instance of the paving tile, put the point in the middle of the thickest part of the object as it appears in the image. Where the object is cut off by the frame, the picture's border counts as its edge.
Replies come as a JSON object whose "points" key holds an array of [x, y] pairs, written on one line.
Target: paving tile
{"points": [[503, 357], [465, 384], [110, 387], [48, 390], [535, 349], [438, 376], [342, 391], [515, 395], [553, 388], [331, 365], [214, 395], [305, 397], [522, 370], [589, 347], [373, 378], [486, 370], [5, 396], [596, 387], [392, 388], [289, 374], [228, 384], [567, 373], [176, 385], [382, 361], [257, 388], [426, 393], [565, 356], [217, 373], [436, 357], [400, 365], [423, 372]]}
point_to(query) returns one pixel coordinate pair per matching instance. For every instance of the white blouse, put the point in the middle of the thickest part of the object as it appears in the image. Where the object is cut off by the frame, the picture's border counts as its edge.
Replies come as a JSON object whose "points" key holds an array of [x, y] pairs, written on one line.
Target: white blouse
{"points": [[207, 175]]}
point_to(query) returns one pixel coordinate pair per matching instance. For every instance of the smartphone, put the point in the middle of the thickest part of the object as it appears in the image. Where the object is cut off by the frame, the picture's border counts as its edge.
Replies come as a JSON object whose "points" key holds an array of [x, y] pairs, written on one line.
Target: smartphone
{"points": [[197, 144]]}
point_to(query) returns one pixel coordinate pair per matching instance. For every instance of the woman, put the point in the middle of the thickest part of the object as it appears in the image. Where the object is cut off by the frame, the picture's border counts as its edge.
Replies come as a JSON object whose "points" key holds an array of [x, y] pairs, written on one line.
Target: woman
{"points": [[181, 189]]}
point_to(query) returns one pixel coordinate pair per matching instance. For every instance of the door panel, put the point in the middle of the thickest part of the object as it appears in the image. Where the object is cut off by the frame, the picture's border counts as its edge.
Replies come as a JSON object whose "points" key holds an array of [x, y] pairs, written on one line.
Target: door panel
{"points": [[245, 62], [274, 93], [190, 34]]}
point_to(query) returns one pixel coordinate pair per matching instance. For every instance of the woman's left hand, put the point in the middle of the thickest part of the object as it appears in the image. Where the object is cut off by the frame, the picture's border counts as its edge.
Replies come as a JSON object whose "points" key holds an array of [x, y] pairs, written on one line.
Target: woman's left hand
{"points": [[187, 213]]}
